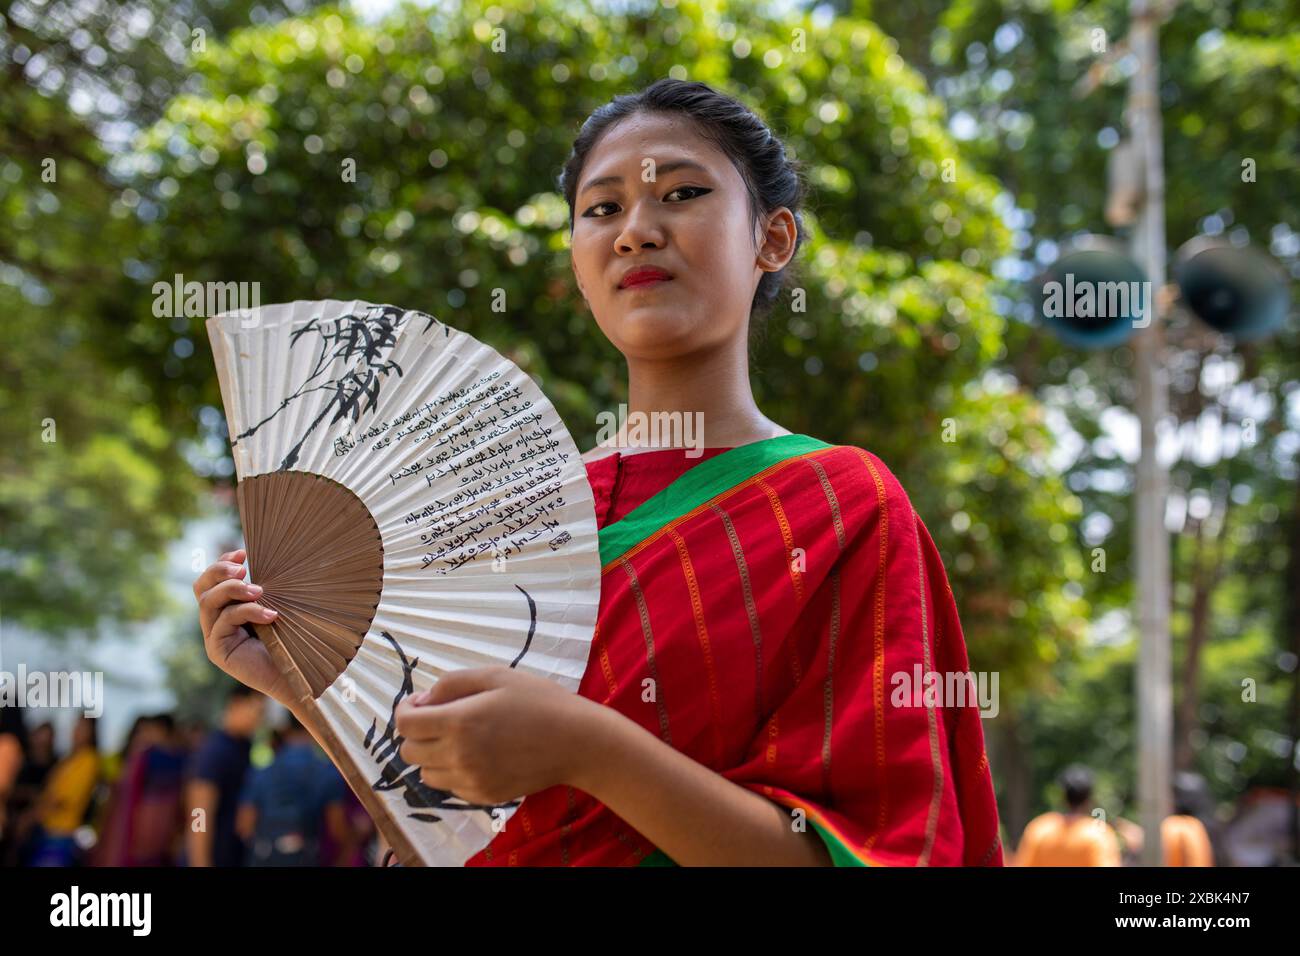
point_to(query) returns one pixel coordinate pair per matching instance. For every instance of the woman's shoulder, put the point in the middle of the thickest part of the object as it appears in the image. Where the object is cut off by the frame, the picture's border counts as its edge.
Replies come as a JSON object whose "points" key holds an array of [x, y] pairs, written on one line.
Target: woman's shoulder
{"points": [[860, 472], [597, 453]]}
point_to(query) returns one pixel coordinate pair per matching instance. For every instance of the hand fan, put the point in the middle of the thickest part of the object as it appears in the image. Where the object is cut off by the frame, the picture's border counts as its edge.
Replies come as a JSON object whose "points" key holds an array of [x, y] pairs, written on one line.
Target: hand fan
{"points": [[411, 504]]}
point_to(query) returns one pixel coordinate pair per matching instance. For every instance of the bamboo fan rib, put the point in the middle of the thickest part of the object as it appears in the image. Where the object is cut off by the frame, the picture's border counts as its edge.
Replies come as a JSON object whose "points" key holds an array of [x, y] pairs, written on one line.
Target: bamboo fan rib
{"points": [[317, 553]]}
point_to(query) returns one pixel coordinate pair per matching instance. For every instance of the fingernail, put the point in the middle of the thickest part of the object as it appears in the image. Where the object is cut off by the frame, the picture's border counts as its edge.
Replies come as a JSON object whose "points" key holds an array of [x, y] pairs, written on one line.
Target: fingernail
{"points": [[255, 588], [270, 613]]}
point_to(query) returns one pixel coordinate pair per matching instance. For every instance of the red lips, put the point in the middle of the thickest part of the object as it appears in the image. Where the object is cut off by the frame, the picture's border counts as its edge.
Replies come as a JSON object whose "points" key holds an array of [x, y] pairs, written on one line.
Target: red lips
{"points": [[643, 275]]}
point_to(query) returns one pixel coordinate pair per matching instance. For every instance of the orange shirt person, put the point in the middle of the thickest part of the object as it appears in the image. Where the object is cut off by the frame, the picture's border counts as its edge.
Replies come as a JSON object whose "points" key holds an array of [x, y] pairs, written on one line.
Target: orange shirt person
{"points": [[1073, 838], [1185, 841], [1068, 839]]}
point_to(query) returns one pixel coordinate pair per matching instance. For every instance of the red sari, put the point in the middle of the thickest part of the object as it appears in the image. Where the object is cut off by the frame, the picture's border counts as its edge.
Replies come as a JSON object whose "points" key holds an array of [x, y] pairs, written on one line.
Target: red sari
{"points": [[769, 595]]}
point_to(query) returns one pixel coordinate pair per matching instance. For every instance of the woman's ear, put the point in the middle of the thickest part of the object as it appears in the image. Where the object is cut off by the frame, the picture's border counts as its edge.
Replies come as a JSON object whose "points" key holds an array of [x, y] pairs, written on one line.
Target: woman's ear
{"points": [[777, 240]]}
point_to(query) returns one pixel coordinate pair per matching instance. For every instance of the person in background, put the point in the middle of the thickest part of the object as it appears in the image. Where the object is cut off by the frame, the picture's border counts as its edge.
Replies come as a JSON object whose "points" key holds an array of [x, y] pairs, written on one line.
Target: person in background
{"points": [[37, 764], [1185, 840], [65, 800], [13, 754], [216, 779], [115, 763], [109, 824], [288, 808], [146, 813], [355, 849], [40, 759], [1072, 838], [190, 733]]}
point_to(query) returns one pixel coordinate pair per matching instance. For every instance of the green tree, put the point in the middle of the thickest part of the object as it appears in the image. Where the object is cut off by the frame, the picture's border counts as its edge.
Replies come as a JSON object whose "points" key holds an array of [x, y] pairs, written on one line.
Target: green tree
{"points": [[97, 421], [1037, 92]]}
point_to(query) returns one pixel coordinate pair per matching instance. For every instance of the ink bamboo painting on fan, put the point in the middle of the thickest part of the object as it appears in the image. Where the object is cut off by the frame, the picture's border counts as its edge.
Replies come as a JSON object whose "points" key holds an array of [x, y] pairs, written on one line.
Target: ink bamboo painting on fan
{"points": [[359, 339], [398, 775], [479, 413]]}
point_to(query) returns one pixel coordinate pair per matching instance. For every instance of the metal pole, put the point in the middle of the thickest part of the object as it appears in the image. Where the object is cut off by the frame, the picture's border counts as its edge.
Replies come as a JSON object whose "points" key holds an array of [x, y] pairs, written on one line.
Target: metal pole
{"points": [[1151, 539]]}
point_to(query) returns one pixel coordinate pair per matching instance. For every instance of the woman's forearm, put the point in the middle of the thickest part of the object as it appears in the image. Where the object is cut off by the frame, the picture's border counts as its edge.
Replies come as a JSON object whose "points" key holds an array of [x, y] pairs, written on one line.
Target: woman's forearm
{"points": [[693, 814]]}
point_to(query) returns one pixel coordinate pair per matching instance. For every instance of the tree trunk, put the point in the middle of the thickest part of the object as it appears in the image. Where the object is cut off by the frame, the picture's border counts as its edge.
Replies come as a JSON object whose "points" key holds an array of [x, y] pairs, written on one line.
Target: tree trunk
{"points": [[1207, 572], [1013, 774], [1291, 621]]}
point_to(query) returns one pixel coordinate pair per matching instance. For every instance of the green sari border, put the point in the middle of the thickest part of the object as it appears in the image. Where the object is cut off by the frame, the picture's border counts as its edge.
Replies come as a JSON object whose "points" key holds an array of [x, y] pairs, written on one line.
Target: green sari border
{"points": [[657, 858], [840, 854], [705, 481]]}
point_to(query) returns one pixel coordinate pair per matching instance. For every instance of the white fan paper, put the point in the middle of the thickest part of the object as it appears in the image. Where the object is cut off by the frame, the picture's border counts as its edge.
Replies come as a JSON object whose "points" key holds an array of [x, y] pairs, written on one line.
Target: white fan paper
{"points": [[412, 504]]}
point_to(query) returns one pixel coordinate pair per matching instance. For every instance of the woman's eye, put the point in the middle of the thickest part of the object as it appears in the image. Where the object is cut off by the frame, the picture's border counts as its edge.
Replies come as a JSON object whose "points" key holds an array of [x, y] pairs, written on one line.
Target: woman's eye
{"points": [[696, 190]]}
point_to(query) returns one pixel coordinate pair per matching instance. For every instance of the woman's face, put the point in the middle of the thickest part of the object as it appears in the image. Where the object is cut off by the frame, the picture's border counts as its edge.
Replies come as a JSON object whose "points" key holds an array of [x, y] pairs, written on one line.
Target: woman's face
{"points": [[691, 220], [43, 740]]}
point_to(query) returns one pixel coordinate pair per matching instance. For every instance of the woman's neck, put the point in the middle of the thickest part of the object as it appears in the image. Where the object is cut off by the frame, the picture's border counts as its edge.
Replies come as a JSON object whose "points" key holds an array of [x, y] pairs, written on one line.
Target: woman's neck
{"points": [[712, 387]]}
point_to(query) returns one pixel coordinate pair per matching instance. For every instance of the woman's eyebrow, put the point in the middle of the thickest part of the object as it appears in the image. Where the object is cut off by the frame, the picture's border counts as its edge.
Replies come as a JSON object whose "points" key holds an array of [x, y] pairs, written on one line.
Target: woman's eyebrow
{"points": [[661, 170]]}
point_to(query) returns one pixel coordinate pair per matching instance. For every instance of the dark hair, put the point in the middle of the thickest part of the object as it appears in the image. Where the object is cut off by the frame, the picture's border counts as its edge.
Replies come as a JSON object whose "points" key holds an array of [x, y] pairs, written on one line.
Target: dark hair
{"points": [[239, 692], [11, 722], [164, 720], [1076, 781], [772, 179], [140, 721], [292, 724], [93, 724], [1191, 793]]}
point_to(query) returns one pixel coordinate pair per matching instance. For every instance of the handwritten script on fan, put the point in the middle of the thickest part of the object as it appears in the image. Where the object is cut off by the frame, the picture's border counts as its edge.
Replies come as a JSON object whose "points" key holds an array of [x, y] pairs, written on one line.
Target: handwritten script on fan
{"points": [[488, 442]]}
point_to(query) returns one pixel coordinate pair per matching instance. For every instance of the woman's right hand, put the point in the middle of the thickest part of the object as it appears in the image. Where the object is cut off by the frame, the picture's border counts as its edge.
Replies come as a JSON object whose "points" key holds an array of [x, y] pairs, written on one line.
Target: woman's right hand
{"points": [[226, 604]]}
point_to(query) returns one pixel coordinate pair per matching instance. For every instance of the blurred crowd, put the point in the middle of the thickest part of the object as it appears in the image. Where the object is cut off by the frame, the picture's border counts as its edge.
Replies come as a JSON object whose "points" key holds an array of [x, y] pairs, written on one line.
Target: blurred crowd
{"points": [[1079, 834], [177, 794], [183, 794]]}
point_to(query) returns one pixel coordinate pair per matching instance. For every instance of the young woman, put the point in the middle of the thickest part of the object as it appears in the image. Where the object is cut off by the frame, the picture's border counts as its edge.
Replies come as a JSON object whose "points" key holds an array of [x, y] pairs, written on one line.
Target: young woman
{"points": [[62, 806], [757, 600]]}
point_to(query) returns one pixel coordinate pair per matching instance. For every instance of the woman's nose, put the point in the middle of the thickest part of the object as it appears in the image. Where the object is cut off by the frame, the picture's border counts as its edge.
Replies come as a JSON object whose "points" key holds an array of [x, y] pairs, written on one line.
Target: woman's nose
{"points": [[640, 231]]}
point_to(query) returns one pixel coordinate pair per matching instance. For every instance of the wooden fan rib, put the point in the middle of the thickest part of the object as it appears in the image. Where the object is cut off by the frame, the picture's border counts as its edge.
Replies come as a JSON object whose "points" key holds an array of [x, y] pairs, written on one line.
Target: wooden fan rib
{"points": [[268, 488], [319, 560], [288, 502], [320, 662], [281, 560], [249, 518], [363, 572], [352, 619], [321, 520], [339, 602], [317, 667], [313, 514], [350, 622], [357, 549]]}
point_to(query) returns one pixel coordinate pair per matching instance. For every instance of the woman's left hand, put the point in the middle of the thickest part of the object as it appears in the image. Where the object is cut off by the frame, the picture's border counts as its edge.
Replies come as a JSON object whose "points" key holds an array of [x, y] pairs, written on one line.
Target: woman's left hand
{"points": [[494, 734]]}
